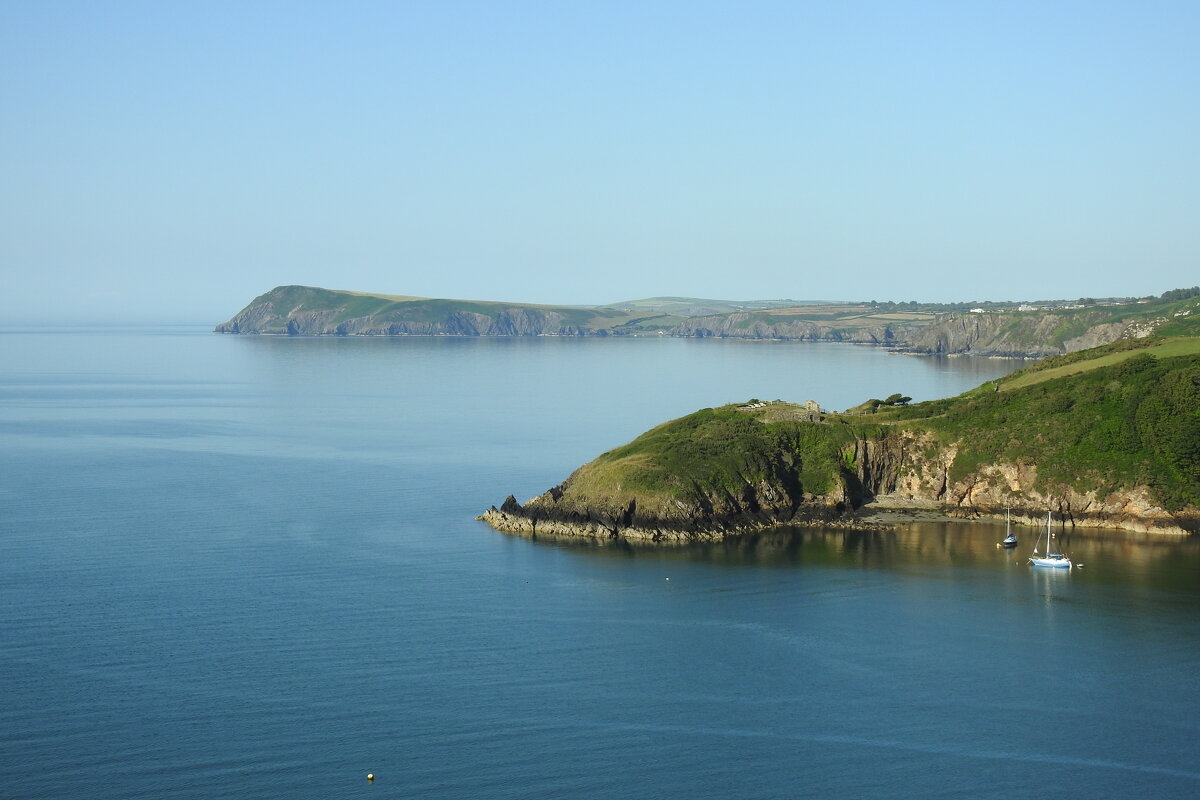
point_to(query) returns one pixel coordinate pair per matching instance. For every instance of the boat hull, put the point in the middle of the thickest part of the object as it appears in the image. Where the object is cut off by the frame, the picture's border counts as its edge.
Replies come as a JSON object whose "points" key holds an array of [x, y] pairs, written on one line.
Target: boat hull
{"points": [[1052, 563]]}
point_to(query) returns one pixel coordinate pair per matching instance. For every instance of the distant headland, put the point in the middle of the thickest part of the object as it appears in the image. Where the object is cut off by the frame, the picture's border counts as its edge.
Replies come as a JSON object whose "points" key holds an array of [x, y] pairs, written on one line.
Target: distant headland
{"points": [[1021, 330]]}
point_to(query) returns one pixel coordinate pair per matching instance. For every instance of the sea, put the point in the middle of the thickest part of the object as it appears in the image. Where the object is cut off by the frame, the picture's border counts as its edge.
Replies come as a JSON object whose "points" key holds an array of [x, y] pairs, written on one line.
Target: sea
{"points": [[250, 567]]}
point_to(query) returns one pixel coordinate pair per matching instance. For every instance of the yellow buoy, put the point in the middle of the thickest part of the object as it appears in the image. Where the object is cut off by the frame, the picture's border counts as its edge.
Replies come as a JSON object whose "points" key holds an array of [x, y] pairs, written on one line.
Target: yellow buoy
{"points": [[370, 776]]}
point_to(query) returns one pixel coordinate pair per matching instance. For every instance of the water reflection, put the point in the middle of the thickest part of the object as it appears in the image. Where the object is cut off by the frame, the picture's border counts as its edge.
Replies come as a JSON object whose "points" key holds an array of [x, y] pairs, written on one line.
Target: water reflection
{"points": [[1166, 562]]}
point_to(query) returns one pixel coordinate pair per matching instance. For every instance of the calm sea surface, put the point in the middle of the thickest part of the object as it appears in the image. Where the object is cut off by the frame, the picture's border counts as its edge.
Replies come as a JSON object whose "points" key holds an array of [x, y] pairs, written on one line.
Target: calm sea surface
{"points": [[249, 568]]}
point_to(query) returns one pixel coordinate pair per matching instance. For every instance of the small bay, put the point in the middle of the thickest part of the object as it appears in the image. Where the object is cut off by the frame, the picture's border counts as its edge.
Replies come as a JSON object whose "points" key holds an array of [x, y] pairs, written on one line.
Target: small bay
{"points": [[248, 567]]}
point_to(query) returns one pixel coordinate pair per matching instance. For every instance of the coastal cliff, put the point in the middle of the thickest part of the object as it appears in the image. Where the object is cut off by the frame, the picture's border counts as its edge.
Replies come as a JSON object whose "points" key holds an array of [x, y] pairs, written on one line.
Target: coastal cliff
{"points": [[312, 311], [1116, 444], [1027, 334], [1024, 334], [765, 325], [899, 472]]}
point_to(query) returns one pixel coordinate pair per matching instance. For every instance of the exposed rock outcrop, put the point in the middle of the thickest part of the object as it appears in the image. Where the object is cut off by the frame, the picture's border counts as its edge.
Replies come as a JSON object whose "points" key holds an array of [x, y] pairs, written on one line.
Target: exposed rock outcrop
{"points": [[747, 325], [710, 517], [1024, 335]]}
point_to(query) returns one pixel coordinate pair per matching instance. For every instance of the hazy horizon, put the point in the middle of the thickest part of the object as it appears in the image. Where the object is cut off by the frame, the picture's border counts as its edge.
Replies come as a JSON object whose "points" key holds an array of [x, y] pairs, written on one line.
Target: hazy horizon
{"points": [[171, 162], [147, 317]]}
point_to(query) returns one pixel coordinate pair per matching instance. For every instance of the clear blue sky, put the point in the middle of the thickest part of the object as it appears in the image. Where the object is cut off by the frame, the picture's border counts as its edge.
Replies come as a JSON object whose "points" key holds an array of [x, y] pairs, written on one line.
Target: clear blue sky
{"points": [[172, 160]]}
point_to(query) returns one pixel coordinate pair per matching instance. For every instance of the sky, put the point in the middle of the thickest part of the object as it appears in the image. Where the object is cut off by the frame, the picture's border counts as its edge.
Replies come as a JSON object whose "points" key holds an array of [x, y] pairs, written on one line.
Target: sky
{"points": [[170, 161]]}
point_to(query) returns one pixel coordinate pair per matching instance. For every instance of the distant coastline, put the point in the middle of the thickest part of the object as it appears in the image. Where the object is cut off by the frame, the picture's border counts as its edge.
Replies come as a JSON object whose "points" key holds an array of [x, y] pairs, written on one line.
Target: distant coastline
{"points": [[1024, 332]]}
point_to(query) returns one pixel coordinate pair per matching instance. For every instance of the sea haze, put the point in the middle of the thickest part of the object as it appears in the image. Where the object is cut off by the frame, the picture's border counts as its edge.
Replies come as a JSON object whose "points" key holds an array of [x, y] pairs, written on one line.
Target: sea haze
{"points": [[248, 567]]}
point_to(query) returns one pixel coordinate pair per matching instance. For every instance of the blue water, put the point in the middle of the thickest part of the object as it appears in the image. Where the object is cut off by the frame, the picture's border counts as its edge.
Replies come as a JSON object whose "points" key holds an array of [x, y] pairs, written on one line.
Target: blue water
{"points": [[249, 568]]}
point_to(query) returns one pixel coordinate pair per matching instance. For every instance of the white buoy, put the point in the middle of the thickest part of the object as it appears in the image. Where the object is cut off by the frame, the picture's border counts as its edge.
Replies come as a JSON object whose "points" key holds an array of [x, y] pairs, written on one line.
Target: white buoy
{"points": [[370, 776]]}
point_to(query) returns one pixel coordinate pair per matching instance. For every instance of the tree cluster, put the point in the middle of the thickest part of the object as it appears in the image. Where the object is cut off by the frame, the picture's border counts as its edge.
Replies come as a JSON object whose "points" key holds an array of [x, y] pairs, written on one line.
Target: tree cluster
{"points": [[1181, 294]]}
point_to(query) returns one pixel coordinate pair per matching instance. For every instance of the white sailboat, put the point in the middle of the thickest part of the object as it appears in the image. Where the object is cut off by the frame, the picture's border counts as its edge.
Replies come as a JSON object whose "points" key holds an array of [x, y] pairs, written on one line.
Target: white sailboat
{"points": [[1053, 560], [1010, 539]]}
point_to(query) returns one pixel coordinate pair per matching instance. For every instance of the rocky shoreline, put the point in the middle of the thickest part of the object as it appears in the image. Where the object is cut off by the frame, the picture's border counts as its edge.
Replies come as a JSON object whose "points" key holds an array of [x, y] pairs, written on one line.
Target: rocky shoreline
{"points": [[533, 522], [595, 527]]}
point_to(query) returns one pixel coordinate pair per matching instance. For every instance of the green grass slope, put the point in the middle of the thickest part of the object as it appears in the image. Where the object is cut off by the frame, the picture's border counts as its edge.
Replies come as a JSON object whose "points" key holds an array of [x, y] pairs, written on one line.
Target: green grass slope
{"points": [[354, 305], [715, 453], [695, 306]]}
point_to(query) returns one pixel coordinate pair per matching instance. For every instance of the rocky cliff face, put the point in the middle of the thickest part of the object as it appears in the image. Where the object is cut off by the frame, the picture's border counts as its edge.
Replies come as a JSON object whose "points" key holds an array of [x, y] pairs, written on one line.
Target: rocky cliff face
{"points": [[520, 322], [744, 325], [907, 468], [900, 470], [1024, 335]]}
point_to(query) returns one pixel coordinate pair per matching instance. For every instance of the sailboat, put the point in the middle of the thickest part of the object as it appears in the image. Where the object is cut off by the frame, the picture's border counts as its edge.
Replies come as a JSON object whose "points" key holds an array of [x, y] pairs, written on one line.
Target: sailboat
{"points": [[1010, 539], [1055, 560]]}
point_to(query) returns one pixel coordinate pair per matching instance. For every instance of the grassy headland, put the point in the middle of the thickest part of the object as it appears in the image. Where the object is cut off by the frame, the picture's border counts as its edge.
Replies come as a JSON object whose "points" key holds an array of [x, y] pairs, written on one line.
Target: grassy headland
{"points": [[1106, 437], [307, 310]]}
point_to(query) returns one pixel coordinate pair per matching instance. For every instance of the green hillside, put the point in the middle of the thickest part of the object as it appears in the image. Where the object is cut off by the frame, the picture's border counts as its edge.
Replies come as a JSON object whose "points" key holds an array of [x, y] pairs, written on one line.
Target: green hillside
{"points": [[695, 306], [1125, 414], [309, 310], [1135, 422], [1091, 434], [716, 451], [353, 305]]}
